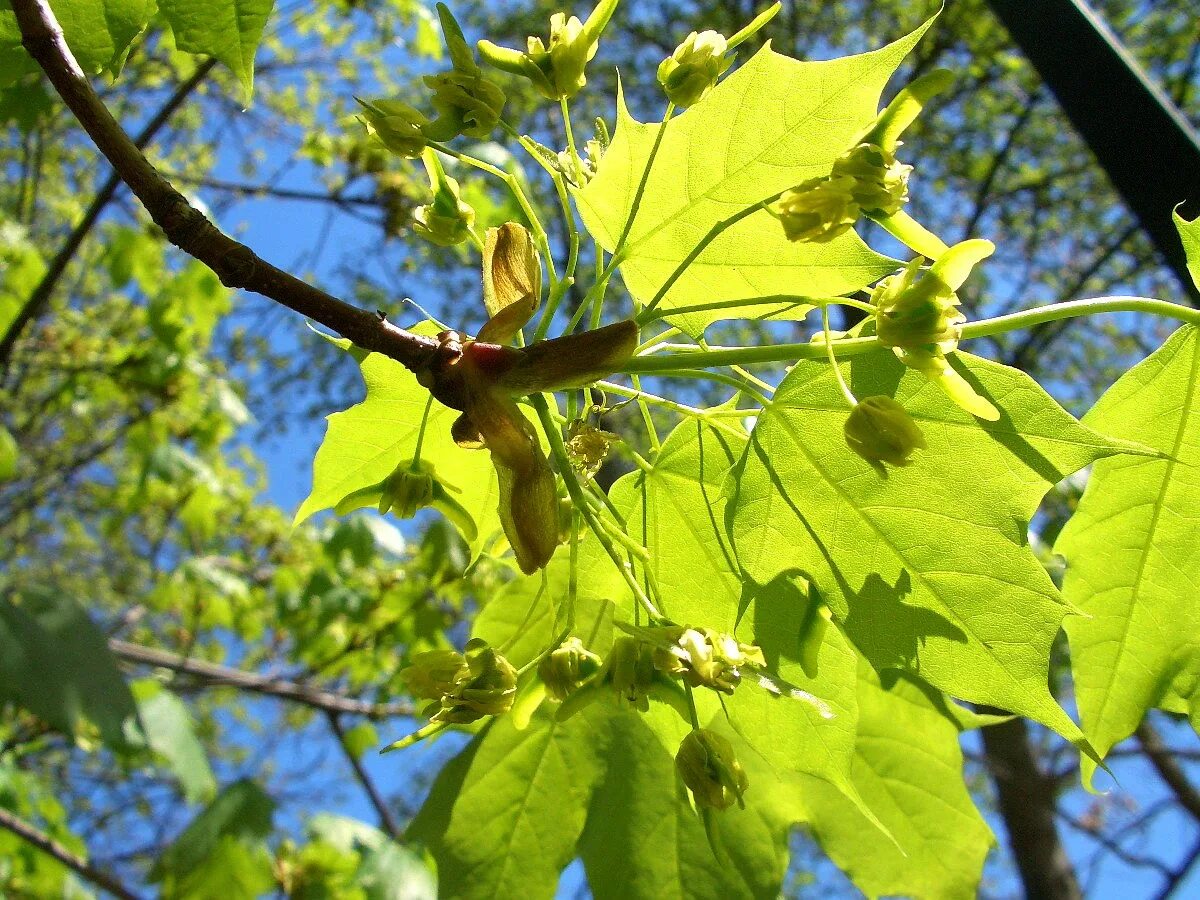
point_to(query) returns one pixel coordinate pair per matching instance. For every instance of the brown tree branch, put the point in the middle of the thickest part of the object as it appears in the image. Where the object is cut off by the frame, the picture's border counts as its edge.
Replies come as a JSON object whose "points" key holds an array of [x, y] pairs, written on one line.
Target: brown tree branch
{"points": [[1169, 769], [76, 864], [1026, 801], [217, 675], [386, 819], [185, 226]]}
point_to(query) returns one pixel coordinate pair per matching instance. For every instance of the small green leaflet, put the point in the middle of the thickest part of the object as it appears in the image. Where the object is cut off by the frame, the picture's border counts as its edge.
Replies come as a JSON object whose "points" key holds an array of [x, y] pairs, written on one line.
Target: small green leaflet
{"points": [[769, 126], [55, 663], [908, 769], [8, 455], [99, 33], [364, 444], [1189, 234], [926, 570], [1131, 552], [171, 734], [227, 29]]}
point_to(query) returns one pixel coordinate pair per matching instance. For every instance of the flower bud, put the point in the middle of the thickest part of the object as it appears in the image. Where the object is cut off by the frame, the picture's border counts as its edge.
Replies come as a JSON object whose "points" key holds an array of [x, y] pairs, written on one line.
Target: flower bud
{"points": [[819, 210], [694, 68], [880, 181], [880, 431], [434, 674], [709, 769], [916, 310], [447, 220], [588, 447], [487, 687], [467, 103], [703, 657], [568, 668], [556, 71], [631, 670], [396, 125]]}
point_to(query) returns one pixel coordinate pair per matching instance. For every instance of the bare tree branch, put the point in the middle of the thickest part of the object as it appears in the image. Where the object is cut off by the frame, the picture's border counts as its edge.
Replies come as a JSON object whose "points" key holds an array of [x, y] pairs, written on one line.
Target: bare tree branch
{"points": [[216, 675], [76, 864], [386, 819], [1175, 878], [1169, 769], [185, 226]]}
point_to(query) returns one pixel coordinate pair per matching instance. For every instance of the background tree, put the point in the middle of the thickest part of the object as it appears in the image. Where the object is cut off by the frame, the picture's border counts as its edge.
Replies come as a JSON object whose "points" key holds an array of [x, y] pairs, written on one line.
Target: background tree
{"points": [[147, 406]]}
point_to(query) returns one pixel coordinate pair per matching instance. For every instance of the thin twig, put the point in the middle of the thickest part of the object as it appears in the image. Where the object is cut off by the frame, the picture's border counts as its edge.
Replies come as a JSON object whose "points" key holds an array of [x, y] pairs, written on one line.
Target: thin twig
{"points": [[76, 864], [185, 226], [386, 818], [217, 675], [1169, 769]]}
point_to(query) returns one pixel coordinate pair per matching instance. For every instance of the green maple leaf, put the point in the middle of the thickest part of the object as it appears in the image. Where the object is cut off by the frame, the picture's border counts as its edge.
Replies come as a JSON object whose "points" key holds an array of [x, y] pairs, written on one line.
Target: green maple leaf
{"points": [[365, 443], [227, 29], [771, 125], [908, 769], [510, 812], [1131, 553], [926, 570]]}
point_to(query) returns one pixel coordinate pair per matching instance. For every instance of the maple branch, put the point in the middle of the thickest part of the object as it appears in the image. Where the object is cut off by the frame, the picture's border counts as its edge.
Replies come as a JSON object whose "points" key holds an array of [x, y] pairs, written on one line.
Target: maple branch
{"points": [[185, 226], [267, 685], [76, 864], [386, 818], [1169, 769]]}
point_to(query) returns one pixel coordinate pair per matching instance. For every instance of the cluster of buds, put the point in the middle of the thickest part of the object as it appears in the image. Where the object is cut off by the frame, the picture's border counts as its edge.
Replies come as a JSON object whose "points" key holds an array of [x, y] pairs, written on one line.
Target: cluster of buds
{"points": [[557, 70], [701, 657], [466, 102], [918, 316], [710, 770], [464, 687], [866, 178], [446, 221], [694, 69], [482, 377], [880, 431]]}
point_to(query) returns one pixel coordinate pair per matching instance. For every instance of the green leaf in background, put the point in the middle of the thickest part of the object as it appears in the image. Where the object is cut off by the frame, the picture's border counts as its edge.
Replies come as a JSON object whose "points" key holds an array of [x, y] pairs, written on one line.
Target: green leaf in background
{"points": [[771, 125], [227, 29], [8, 455], [223, 852], [55, 663], [21, 268], [1189, 234], [1131, 552], [508, 814], [365, 443], [99, 33], [926, 569], [171, 734], [908, 767], [385, 870]]}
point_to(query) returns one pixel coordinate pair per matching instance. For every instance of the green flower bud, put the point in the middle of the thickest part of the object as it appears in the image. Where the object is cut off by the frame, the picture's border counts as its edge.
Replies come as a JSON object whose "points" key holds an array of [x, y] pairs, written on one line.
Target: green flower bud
{"points": [[694, 68], [447, 220], [880, 181], [434, 674], [916, 310], [487, 687], [556, 71], [568, 668], [631, 670], [467, 103], [396, 125], [708, 767], [588, 447], [880, 431], [819, 210], [703, 657]]}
